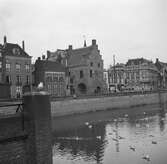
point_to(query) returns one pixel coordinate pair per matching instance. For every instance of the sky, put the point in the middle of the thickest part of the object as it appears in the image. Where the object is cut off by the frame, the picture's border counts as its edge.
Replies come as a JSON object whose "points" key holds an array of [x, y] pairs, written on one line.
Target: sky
{"points": [[124, 28]]}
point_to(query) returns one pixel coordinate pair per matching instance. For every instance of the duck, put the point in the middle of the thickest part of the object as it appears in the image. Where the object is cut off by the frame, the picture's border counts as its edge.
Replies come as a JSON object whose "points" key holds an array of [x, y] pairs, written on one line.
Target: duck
{"points": [[87, 123], [114, 130], [120, 137], [126, 115], [132, 148], [114, 139], [90, 126], [146, 157], [154, 142]]}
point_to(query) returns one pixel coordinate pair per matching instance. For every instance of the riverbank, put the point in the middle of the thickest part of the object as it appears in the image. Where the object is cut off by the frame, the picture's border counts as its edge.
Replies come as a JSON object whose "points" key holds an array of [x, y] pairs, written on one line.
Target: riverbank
{"points": [[78, 106]]}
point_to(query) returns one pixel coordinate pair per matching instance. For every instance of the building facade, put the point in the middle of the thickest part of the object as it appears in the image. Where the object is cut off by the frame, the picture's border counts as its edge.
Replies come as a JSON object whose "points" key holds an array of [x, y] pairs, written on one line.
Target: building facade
{"points": [[16, 68], [162, 68], [0, 63], [106, 79], [137, 74], [141, 74], [52, 74], [116, 77], [85, 68]]}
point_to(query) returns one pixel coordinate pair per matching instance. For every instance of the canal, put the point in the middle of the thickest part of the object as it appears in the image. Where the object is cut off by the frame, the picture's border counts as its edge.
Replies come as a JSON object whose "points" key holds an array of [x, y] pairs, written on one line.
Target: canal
{"points": [[126, 136]]}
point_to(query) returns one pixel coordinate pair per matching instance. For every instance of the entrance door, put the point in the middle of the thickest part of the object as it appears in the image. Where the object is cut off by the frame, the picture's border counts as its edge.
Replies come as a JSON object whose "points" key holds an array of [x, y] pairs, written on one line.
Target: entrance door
{"points": [[82, 88]]}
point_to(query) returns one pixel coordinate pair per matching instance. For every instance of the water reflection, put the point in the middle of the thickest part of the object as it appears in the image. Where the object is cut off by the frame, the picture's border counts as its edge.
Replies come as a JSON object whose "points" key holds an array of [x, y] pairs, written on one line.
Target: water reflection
{"points": [[86, 141], [119, 136]]}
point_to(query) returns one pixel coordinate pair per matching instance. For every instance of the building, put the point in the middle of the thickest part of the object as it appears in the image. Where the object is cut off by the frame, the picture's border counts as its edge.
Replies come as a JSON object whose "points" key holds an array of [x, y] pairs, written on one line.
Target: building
{"points": [[52, 75], [141, 74], [137, 74], [0, 63], [106, 80], [85, 68], [15, 68], [116, 77], [162, 68]]}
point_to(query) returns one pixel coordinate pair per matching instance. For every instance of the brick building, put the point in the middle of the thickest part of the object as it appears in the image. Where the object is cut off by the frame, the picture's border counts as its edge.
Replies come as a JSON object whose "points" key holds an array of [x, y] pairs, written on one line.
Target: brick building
{"points": [[15, 68], [85, 68], [52, 75]]}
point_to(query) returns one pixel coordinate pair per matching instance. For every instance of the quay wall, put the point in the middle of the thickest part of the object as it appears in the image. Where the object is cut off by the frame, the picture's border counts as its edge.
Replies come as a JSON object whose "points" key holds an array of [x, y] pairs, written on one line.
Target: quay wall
{"points": [[26, 136], [12, 140], [76, 106]]}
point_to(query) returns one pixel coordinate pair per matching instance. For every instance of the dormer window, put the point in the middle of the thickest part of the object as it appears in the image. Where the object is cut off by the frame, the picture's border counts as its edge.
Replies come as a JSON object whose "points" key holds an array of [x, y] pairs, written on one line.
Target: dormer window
{"points": [[16, 51]]}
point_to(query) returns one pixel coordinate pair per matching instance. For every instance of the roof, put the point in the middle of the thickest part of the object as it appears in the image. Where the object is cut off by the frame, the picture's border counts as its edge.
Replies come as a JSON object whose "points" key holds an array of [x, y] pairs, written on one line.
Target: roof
{"points": [[160, 65], [83, 51], [79, 56], [11, 49], [137, 61], [47, 65]]}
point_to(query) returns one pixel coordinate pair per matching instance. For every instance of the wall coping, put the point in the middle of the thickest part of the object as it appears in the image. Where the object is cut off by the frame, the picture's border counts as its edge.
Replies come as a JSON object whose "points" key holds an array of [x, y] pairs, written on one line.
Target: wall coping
{"points": [[36, 93]]}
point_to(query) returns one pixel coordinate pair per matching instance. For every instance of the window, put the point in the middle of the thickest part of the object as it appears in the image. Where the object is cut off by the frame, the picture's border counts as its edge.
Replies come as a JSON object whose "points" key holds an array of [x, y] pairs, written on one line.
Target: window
{"points": [[91, 74], [8, 67], [18, 79], [98, 65], [0, 54], [28, 79], [18, 67], [18, 91], [27, 68], [0, 64], [91, 64], [61, 79], [81, 74], [69, 73], [71, 80], [8, 79], [49, 78], [55, 78]]}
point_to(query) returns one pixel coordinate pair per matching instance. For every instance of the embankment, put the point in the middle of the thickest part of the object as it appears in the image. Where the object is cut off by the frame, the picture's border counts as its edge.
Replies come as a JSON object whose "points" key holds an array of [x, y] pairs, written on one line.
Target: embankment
{"points": [[76, 106]]}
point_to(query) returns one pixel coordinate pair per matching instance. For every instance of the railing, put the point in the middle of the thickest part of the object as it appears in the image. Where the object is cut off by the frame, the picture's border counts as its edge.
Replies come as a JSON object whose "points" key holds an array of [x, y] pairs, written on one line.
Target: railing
{"points": [[107, 94]]}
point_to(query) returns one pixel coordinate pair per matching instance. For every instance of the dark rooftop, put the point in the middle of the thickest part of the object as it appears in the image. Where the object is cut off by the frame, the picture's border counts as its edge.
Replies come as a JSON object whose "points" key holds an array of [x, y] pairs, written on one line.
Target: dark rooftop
{"points": [[11, 49], [49, 65]]}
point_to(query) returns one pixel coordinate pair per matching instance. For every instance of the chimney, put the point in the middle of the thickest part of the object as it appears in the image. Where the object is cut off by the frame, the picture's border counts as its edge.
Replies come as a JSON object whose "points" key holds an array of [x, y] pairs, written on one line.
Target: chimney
{"points": [[70, 47], [84, 43], [5, 39], [39, 58], [43, 57], [23, 46], [48, 54], [93, 42], [157, 60]]}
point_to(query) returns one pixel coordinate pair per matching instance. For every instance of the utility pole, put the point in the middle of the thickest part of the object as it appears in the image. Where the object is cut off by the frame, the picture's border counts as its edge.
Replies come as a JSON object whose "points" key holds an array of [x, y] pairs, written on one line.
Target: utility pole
{"points": [[114, 70]]}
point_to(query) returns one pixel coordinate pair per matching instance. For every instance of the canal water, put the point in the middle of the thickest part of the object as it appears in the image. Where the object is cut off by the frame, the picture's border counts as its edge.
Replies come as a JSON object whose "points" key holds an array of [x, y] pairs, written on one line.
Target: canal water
{"points": [[128, 136]]}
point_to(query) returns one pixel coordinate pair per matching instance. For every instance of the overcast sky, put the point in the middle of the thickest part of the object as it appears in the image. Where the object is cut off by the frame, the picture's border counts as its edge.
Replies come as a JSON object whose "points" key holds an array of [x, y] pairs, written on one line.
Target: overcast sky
{"points": [[126, 28]]}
